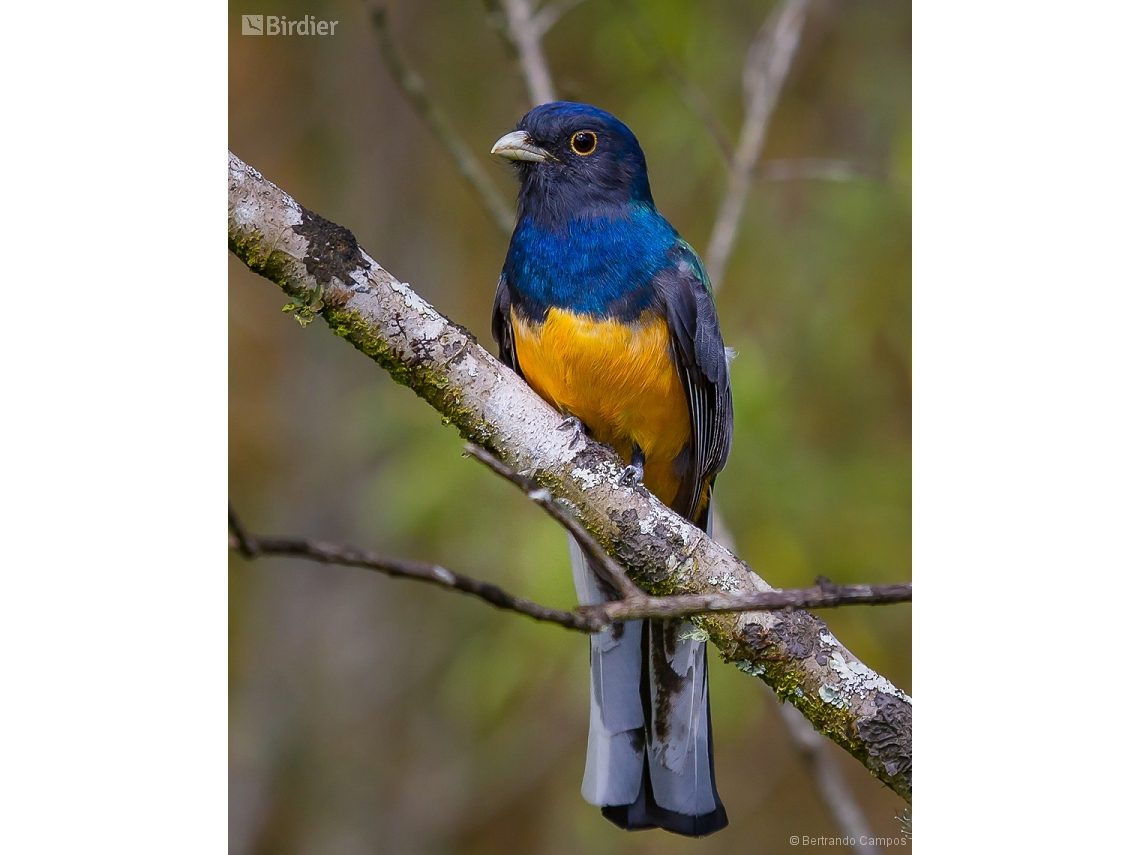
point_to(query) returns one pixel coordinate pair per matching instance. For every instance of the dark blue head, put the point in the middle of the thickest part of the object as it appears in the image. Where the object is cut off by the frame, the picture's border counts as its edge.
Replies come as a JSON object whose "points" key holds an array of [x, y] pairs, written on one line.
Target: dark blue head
{"points": [[575, 161]]}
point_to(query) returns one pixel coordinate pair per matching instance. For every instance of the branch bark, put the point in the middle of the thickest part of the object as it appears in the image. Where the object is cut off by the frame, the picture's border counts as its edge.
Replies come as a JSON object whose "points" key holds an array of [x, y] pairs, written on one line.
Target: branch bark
{"points": [[320, 265]]}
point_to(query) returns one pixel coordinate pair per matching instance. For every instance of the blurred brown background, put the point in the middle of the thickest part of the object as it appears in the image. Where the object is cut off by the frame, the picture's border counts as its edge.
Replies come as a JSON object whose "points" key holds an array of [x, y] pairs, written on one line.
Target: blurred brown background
{"points": [[370, 715]]}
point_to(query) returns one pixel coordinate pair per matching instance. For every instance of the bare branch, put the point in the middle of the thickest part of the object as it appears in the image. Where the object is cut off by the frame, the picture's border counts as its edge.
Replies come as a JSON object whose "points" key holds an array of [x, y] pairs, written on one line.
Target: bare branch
{"points": [[246, 545], [583, 618], [769, 60], [549, 15], [819, 597], [320, 265], [421, 571], [525, 35], [615, 575], [415, 90], [691, 94], [829, 781]]}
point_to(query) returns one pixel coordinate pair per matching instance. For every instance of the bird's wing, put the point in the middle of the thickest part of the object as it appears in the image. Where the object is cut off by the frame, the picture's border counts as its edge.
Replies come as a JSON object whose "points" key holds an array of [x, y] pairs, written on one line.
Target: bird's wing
{"points": [[679, 737], [685, 298], [501, 328]]}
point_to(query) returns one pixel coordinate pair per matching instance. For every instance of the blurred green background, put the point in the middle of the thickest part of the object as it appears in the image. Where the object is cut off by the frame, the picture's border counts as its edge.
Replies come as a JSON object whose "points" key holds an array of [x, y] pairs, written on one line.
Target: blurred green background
{"points": [[371, 715]]}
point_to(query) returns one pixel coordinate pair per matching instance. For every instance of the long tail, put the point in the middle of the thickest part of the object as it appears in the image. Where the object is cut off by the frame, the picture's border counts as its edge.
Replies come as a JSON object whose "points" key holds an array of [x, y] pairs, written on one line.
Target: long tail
{"points": [[648, 690]]}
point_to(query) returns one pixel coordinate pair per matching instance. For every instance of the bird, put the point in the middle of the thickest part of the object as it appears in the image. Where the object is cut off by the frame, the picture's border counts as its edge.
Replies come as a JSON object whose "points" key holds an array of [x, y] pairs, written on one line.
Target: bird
{"points": [[608, 314]]}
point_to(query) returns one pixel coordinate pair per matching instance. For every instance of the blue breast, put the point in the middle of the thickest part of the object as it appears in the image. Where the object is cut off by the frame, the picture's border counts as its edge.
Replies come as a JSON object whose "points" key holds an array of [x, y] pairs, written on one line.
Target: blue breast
{"points": [[598, 265]]}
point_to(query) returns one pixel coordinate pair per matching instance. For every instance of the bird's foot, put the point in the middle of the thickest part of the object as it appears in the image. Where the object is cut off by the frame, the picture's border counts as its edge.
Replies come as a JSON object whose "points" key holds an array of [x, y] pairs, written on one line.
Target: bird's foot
{"points": [[633, 474], [572, 422]]}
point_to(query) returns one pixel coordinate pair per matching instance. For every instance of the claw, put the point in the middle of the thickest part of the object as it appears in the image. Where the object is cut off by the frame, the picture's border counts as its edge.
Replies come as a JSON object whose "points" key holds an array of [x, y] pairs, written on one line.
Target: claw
{"points": [[633, 474], [576, 424]]}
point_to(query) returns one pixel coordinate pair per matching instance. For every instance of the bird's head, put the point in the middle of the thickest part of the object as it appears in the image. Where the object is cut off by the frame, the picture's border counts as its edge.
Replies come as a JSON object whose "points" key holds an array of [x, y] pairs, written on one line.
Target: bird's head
{"points": [[574, 160]]}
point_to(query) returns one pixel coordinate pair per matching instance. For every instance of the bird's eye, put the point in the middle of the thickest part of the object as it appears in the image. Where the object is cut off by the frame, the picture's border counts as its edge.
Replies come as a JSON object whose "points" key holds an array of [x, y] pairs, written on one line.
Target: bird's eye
{"points": [[584, 142]]}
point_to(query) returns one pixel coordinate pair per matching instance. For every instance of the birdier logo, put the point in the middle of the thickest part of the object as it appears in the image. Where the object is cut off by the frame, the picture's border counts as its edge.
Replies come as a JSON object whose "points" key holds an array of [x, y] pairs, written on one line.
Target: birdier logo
{"points": [[272, 25]]}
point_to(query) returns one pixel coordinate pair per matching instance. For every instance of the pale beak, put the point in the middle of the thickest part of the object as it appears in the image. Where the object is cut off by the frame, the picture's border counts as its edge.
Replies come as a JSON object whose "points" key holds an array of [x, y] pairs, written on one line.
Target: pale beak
{"points": [[517, 145]]}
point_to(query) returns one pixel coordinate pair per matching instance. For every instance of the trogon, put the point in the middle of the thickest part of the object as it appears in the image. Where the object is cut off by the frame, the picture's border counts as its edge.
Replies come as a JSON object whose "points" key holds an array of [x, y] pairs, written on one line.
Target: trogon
{"points": [[607, 313]]}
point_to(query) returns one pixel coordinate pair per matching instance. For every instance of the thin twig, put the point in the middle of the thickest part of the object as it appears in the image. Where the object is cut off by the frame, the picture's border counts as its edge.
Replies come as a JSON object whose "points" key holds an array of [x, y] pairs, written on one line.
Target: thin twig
{"points": [[616, 576], [549, 15], [415, 90], [523, 32], [825, 597], [584, 618], [246, 545], [346, 556], [691, 94], [769, 60], [829, 781]]}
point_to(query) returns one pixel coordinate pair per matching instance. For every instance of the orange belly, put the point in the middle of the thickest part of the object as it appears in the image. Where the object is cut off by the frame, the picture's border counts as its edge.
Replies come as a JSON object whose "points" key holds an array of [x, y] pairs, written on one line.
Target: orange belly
{"points": [[618, 379]]}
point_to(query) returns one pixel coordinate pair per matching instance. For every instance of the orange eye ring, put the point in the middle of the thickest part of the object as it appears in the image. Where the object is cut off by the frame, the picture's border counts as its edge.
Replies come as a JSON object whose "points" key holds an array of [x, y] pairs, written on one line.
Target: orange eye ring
{"points": [[584, 142]]}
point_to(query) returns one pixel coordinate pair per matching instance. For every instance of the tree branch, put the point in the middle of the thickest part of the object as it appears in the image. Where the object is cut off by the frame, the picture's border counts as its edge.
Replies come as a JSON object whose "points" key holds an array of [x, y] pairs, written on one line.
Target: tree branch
{"points": [[523, 30], [694, 605], [415, 90], [241, 540], [320, 265], [583, 618], [769, 60], [422, 571]]}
